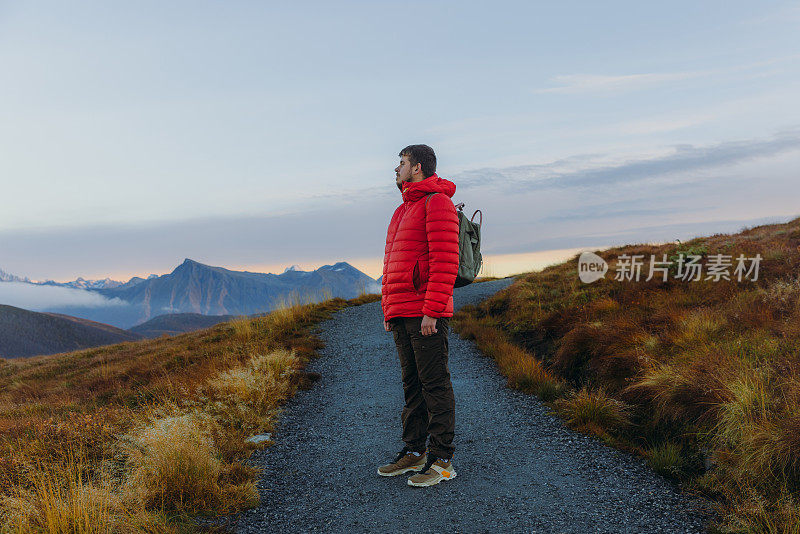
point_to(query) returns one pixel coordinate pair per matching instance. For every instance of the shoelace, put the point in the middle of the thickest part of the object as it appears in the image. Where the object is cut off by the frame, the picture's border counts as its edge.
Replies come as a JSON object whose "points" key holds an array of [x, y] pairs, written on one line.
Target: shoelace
{"points": [[401, 454], [428, 463]]}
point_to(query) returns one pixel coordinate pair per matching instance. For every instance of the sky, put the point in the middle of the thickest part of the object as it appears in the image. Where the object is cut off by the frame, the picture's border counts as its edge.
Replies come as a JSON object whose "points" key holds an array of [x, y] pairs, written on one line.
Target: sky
{"points": [[258, 135]]}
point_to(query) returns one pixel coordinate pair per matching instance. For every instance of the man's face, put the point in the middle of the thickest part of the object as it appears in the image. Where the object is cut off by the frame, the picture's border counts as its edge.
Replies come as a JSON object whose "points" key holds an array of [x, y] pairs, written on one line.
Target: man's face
{"points": [[403, 172]]}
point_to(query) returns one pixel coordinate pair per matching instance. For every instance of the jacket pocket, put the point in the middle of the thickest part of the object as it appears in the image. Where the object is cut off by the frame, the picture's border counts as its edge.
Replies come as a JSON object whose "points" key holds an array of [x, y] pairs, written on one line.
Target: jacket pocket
{"points": [[415, 276]]}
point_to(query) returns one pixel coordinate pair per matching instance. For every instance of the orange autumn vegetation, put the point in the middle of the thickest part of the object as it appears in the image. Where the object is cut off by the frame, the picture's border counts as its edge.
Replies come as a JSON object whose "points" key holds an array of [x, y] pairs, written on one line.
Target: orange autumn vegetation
{"points": [[702, 378], [139, 436]]}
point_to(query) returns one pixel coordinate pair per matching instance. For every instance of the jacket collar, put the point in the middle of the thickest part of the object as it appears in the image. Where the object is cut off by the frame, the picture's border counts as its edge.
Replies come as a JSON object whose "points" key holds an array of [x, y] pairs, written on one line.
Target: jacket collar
{"points": [[413, 191]]}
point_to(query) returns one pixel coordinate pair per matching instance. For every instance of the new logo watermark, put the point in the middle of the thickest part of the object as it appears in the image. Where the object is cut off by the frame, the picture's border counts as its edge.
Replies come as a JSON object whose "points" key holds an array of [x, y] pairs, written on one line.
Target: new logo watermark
{"points": [[592, 267]]}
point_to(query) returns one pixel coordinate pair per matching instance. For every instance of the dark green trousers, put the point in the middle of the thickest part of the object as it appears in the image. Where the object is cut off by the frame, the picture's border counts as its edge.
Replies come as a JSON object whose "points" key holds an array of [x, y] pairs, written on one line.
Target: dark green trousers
{"points": [[429, 402]]}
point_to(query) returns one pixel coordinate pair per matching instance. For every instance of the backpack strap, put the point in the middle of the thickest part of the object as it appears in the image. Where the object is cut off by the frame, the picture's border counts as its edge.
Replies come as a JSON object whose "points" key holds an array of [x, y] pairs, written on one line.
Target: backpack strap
{"points": [[427, 199], [473, 216]]}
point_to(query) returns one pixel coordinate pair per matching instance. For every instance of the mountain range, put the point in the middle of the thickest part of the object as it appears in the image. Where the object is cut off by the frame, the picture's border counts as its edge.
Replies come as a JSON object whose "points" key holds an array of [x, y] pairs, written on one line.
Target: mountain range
{"points": [[6, 277], [78, 283], [195, 288]]}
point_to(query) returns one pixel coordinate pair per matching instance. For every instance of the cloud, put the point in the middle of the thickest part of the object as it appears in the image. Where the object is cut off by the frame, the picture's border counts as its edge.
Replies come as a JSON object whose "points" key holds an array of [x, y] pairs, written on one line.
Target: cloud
{"points": [[788, 14], [596, 83], [36, 297], [596, 171], [597, 212], [684, 158], [615, 84], [501, 175], [641, 234]]}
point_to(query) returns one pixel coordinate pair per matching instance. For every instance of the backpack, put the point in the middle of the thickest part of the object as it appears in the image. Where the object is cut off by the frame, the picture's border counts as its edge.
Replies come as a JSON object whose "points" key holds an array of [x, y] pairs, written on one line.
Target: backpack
{"points": [[470, 260]]}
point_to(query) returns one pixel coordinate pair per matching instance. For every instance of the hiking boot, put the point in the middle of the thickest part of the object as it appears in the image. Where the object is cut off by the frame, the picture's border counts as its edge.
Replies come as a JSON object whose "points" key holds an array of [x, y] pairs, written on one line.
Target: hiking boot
{"points": [[404, 462], [434, 471]]}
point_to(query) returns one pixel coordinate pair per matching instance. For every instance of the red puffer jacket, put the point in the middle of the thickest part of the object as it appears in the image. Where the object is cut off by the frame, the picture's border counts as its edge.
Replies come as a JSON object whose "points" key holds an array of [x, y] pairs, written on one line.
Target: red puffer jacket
{"points": [[421, 259]]}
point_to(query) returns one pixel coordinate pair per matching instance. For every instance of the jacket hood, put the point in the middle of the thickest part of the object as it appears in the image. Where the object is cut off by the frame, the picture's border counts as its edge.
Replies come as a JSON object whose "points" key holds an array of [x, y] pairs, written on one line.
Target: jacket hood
{"points": [[413, 191]]}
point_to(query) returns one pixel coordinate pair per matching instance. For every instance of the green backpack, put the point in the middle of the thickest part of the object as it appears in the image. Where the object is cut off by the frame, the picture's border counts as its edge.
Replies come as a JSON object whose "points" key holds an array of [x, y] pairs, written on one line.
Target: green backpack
{"points": [[470, 260]]}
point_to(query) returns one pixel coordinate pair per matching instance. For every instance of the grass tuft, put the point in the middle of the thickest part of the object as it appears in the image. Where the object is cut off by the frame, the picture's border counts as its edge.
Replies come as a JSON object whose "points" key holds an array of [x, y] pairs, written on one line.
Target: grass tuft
{"points": [[174, 465], [666, 459], [593, 408]]}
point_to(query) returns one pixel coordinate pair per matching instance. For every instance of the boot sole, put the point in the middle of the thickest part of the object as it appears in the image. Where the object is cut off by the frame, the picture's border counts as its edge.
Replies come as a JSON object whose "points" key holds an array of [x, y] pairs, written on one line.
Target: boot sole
{"points": [[432, 482], [400, 471]]}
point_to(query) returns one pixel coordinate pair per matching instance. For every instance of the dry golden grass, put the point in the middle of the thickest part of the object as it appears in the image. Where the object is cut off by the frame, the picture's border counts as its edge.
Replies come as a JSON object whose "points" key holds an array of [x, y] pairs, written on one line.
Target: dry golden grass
{"points": [[593, 409], [62, 502], [137, 437], [173, 464], [523, 370], [61, 499], [687, 374], [242, 328]]}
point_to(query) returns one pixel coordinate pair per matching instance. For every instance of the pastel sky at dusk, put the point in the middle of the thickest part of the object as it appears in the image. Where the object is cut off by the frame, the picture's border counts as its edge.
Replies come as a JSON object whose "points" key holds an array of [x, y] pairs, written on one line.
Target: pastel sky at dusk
{"points": [[257, 135]]}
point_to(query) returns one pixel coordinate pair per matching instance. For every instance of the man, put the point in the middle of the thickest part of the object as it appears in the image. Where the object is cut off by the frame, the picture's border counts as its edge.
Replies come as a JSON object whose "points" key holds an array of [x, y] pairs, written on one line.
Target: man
{"points": [[419, 270]]}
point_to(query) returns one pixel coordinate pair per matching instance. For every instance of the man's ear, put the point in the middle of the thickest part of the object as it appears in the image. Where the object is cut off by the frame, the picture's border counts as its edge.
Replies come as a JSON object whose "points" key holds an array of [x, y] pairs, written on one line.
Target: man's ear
{"points": [[416, 168]]}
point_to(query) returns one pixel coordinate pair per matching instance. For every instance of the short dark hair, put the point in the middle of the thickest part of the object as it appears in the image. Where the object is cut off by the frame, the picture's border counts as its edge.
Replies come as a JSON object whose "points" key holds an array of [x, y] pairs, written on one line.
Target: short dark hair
{"points": [[421, 154]]}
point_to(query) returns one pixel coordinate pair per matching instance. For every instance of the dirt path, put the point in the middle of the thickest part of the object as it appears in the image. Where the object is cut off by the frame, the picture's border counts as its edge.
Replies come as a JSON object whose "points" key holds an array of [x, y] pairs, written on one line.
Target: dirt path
{"points": [[519, 469]]}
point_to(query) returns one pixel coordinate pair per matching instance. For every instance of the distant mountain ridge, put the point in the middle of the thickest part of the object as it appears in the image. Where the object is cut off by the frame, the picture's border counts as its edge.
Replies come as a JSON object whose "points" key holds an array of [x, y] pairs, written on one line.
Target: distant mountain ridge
{"points": [[79, 283], [28, 333], [7, 277], [178, 323]]}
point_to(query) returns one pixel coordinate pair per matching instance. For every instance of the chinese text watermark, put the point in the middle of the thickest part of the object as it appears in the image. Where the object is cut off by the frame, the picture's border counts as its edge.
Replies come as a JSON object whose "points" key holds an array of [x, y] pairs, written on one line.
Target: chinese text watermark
{"points": [[592, 267]]}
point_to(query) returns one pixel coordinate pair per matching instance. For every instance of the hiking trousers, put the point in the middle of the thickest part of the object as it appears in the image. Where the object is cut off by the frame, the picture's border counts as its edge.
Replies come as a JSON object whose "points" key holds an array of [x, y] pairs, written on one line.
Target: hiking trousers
{"points": [[429, 402]]}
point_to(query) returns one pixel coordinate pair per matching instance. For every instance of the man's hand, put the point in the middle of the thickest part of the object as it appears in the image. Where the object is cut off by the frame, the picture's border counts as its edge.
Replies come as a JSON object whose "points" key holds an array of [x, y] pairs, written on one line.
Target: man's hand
{"points": [[428, 325], [387, 325]]}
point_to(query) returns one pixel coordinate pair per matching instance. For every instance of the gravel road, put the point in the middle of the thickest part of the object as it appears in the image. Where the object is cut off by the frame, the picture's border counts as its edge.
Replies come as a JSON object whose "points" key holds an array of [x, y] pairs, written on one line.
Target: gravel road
{"points": [[519, 469]]}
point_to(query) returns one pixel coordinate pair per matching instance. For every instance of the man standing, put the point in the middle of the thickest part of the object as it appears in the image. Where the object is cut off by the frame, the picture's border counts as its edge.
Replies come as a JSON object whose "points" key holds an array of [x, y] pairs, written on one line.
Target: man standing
{"points": [[419, 270]]}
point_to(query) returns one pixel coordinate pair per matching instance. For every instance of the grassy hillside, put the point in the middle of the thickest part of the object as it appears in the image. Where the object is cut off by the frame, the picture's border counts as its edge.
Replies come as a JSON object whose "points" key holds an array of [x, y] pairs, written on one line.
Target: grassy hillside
{"points": [[30, 333], [139, 436], [700, 377], [177, 323]]}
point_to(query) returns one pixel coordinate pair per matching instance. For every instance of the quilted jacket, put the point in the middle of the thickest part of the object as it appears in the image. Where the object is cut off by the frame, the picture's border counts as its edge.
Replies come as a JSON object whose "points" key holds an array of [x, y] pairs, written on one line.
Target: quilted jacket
{"points": [[421, 259]]}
